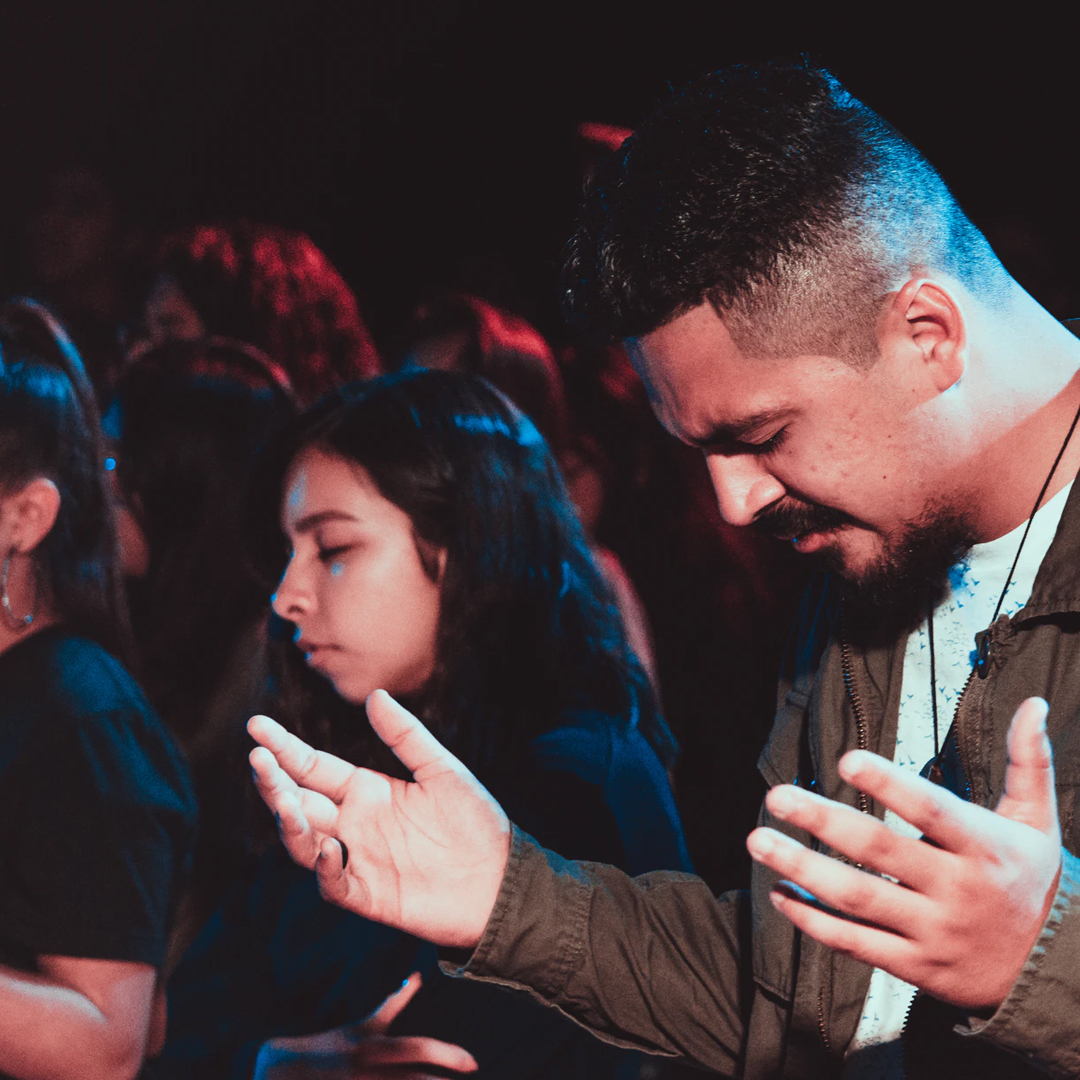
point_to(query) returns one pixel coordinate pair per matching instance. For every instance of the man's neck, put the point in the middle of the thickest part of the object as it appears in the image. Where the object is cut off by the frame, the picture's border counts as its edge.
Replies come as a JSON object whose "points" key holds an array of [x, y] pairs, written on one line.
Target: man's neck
{"points": [[1010, 470]]}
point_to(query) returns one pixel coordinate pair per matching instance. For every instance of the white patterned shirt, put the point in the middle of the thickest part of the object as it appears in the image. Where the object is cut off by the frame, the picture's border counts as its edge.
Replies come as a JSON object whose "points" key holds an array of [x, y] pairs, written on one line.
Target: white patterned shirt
{"points": [[975, 585]]}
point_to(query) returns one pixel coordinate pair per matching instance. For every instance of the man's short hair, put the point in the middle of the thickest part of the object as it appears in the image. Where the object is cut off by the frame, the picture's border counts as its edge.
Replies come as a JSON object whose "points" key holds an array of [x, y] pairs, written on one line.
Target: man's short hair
{"points": [[773, 194]]}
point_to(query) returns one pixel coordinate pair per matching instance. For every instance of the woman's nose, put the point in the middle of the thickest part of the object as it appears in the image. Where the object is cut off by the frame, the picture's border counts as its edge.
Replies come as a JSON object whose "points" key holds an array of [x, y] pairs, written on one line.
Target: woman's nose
{"points": [[293, 599]]}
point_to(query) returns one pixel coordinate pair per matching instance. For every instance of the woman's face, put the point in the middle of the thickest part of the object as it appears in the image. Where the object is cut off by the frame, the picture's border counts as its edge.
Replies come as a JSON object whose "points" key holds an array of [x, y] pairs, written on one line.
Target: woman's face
{"points": [[365, 610]]}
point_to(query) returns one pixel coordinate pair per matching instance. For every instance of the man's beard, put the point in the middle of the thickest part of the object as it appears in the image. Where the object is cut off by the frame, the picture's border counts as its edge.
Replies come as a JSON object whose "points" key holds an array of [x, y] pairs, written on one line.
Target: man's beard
{"points": [[909, 577]]}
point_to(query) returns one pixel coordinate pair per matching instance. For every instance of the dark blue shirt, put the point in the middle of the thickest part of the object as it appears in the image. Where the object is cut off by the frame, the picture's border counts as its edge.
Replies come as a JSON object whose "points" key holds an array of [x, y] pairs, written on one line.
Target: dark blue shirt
{"points": [[278, 960]]}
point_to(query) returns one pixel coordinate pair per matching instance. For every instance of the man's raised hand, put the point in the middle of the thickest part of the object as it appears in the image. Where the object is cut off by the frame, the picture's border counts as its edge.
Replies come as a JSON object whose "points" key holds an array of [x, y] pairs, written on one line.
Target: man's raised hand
{"points": [[966, 910], [426, 856]]}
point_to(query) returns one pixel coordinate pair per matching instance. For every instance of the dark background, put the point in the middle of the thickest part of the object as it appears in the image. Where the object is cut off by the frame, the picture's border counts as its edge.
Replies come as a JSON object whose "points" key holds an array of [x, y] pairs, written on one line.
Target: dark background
{"points": [[426, 142]]}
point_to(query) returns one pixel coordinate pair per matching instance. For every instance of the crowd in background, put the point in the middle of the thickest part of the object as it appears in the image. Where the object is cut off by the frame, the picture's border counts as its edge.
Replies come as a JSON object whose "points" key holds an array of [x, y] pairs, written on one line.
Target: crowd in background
{"points": [[208, 345]]}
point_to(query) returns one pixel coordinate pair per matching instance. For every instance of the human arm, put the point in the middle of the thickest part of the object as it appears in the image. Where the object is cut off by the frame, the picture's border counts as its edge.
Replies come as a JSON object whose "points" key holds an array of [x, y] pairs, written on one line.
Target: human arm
{"points": [[75, 1017], [362, 1051], [424, 856], [983, 917], [655, 962]]}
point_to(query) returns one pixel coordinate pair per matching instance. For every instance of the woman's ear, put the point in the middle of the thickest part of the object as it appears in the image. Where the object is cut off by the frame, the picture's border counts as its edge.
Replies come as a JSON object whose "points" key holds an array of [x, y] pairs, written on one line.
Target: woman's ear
{"points": [[31, 513]]}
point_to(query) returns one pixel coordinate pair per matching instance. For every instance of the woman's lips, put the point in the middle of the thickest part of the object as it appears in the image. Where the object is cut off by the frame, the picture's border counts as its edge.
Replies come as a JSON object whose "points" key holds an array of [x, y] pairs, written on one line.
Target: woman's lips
{"points": [[315, 652]]}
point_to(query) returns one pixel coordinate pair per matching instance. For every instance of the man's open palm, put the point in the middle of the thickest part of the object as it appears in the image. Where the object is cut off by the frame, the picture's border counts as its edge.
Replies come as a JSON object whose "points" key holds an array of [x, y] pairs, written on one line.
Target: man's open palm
{"points": [[425, 856], [956, 918]]}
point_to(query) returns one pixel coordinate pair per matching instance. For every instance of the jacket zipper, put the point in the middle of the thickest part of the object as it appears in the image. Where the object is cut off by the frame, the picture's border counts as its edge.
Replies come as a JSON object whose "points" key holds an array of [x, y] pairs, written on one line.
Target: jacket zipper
{"points": [[863, 741], [822, 1031], [862, 737]]}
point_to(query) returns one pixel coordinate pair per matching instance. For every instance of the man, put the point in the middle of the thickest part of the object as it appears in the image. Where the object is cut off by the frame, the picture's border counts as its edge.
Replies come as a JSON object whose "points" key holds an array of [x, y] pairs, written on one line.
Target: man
{"points": [[807, 303]]}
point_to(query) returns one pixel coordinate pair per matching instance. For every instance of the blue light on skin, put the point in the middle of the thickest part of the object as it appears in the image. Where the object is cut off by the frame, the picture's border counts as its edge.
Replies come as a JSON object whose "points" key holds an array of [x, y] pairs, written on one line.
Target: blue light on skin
{"points": [[337, 569], [298, 492]]}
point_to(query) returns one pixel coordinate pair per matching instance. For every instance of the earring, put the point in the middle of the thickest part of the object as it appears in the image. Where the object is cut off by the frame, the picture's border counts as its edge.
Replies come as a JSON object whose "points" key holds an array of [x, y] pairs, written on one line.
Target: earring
{"points": [[16, 622]]}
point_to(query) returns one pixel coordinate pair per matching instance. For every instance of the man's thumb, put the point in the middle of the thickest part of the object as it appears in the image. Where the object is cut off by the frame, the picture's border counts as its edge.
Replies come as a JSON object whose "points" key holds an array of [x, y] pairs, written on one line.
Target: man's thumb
{"points": [[1029, 796]]}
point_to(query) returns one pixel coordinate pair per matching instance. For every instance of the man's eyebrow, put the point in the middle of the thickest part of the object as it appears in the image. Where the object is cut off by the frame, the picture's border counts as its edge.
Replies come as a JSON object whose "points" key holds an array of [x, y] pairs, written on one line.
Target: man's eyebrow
{"points": [[724, 434], [313, 521]]}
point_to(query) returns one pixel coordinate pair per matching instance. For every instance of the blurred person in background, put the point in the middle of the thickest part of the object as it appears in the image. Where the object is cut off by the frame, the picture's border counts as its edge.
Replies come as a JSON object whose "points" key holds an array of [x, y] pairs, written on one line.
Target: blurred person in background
{"points": [[78, 257], [268, 286], [185, 425], [434, 552], [460, 332], [95, 797]]}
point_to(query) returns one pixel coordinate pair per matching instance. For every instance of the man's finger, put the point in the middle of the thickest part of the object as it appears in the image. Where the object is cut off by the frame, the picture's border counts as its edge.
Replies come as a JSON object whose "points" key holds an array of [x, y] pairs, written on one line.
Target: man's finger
{"points": [[863, 839], [413, 745], [943, 817], [269, 778], [1030, 796], [310, 768], [844, 888], [330, 870], [320, 812], [381, 1019], [876, 947]]}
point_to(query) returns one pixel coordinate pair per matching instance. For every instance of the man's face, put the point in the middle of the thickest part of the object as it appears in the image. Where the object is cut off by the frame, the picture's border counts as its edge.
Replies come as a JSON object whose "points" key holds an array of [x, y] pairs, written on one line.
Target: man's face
{"points": [[845, 462]]}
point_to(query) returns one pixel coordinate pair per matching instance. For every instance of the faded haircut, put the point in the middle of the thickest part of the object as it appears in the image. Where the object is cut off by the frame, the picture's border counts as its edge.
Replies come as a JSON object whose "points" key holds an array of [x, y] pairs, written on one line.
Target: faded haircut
{"points": [[771, 193]]}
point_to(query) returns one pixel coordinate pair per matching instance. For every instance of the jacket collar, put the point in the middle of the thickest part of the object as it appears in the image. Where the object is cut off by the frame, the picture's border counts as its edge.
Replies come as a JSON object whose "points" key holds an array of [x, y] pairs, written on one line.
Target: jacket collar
{"points": [[1057, 584]]}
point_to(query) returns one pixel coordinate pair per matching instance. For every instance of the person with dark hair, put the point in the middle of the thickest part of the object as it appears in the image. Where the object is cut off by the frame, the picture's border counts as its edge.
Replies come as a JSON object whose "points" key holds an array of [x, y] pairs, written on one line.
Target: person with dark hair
{"points": [[434, 551], [95, 798], [810, 307], [459, 332], [185, 425], [270, 287]]}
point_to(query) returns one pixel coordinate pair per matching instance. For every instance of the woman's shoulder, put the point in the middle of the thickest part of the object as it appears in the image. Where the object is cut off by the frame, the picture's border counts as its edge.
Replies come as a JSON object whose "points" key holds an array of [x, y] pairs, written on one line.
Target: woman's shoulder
{"points": [[592, 743], [66, 700], [70, 674], [602, 771], [582, 742]]}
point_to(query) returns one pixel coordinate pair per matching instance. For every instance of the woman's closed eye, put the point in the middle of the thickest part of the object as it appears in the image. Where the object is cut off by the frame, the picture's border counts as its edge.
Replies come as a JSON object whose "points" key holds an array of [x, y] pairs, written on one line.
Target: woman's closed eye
{"points": [[329, 554]]}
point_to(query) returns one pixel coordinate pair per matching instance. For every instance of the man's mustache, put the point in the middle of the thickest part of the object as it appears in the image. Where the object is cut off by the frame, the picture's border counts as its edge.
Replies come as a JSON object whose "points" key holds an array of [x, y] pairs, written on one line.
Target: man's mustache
{"points": [[787, 520]]}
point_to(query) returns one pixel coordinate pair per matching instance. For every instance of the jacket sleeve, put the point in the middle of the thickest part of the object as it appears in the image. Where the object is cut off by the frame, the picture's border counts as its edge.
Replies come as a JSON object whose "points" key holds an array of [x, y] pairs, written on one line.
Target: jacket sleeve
{"points": [[651, 962], [1040, 1018]]}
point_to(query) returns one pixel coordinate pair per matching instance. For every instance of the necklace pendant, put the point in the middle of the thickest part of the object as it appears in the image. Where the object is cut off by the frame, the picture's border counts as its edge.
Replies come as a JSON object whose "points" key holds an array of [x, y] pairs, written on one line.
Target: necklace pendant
{"points": [[982, 653]]}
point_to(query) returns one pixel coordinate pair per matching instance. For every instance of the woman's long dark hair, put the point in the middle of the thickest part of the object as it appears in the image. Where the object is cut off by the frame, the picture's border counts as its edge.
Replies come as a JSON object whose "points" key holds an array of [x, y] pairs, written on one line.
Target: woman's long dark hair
{"points": [[528, 631], [189, 419], [49, 427]]}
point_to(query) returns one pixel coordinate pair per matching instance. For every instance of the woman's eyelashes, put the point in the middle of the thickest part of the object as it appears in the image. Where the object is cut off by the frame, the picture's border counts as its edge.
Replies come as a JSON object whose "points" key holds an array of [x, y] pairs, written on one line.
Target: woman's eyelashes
{"points": [[332, 555]]}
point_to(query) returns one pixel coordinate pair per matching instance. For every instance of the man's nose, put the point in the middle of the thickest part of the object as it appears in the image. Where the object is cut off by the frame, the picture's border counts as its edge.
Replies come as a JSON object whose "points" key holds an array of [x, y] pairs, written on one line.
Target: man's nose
{"points": [[743, 486], [292, 599]]}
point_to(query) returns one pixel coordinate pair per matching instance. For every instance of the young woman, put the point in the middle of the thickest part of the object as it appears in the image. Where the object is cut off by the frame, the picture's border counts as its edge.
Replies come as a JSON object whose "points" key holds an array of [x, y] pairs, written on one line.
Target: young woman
{"points": [[97, 807], [435, 554]]}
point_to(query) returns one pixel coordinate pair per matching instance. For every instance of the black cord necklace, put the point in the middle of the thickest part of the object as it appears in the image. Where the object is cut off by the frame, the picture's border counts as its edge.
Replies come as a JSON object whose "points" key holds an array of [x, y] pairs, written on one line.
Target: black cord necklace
{"points": [[933, 769]]}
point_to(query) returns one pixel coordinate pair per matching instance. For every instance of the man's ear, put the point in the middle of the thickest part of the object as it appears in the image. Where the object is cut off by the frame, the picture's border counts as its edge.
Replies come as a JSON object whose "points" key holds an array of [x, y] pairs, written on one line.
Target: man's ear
{"points": [[33, 509], [926, 319]]}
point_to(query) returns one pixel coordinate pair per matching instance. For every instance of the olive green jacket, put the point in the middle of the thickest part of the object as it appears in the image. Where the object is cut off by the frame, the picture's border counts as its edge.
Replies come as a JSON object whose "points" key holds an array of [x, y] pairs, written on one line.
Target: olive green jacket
{"points": [[659, 963]]}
